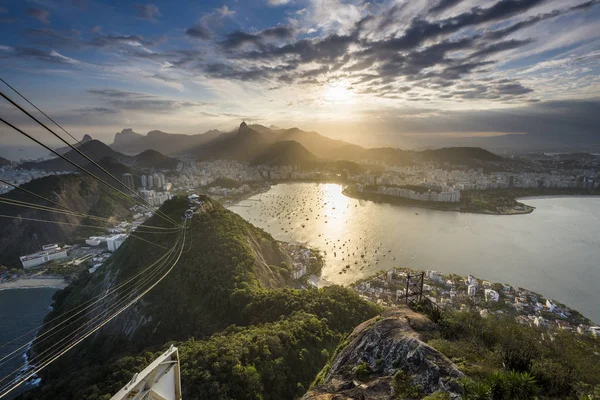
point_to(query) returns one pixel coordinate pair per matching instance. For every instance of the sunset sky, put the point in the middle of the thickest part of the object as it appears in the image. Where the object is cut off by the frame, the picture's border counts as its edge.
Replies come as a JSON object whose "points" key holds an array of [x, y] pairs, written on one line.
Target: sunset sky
{"points": [[372, 72]]}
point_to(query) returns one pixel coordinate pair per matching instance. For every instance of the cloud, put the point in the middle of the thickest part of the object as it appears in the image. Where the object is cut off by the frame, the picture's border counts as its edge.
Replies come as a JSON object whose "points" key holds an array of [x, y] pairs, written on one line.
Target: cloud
{"points": [[51, 56], [443, 5], [133, 101], [202, 29], [148, 12], [199, 31], [238, 39], [225, 11], [39, 14], [121, 40], [277, 2]]}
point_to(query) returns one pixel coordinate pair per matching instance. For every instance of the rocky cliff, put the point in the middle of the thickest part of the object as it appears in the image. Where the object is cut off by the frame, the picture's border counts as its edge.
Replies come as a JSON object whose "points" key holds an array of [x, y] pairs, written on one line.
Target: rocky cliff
{"points": [[384, 356]]}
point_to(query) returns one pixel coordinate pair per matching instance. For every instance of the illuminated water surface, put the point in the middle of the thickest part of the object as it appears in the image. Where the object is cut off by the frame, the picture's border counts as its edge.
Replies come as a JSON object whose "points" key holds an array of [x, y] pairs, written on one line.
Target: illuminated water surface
{"points": [[554, 251]]}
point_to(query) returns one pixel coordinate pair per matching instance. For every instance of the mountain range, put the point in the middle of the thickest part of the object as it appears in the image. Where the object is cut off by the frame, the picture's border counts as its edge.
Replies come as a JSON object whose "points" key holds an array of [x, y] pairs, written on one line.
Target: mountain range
{"points": [[129, 142], [101, 153], [259, 144]]}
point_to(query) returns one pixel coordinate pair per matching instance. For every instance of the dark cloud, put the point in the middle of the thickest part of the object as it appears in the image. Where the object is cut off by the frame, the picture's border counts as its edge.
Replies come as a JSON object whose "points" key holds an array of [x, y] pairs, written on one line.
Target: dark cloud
{"points": [[52, 38], [443, 5], [109, 40], [199, 31], [133, 101], [147, 11], [559, 125], [238, 39], [500, 47], [40, 55], [97, 110], [39, 14], [115, 93]]}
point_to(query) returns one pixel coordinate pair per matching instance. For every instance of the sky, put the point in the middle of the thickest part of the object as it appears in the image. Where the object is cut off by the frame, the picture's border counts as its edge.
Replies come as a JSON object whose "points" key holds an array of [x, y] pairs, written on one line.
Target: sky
{"points": [[405, 73]]}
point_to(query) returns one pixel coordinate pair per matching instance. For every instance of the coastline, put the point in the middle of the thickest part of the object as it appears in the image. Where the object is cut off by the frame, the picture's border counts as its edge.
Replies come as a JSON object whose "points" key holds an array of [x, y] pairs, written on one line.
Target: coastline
{"points": [[454, 207], [509, 200], [51, 281]]}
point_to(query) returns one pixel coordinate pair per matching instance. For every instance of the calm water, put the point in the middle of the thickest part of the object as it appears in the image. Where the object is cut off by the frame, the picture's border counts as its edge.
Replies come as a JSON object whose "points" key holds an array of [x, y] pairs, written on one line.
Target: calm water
{"points": [[554, 251], [21, 310]]}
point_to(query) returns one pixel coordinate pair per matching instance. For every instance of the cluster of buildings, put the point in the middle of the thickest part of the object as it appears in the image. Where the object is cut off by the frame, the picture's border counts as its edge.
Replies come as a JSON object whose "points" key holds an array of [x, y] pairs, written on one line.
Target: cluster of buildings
{"points": [[429, 176], [202, 174], [155, 181], [155, 198], [302, 259], [48, 253], [18, 176], [113, 242], [450, 195], [459, 293]]}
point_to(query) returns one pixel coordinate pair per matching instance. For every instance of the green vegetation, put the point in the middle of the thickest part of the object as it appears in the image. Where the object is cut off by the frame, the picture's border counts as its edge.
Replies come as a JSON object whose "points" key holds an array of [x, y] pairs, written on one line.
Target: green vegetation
{"points": [[404, 387], [241, 333], [505, 360]]}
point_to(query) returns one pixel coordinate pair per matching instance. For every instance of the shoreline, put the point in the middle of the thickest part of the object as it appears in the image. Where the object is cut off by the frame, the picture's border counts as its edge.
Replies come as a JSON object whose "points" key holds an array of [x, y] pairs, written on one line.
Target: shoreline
{"points": [[50, 282], [455, 207]]}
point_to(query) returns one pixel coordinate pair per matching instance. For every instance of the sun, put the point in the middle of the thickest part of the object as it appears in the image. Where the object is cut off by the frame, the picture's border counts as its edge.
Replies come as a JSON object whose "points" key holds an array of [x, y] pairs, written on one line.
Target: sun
{"points": [[337, 92]]}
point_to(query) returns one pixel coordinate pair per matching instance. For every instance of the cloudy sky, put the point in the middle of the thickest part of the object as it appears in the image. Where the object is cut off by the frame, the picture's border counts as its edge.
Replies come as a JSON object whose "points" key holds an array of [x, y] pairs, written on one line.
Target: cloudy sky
{"points": [[399, 72]]}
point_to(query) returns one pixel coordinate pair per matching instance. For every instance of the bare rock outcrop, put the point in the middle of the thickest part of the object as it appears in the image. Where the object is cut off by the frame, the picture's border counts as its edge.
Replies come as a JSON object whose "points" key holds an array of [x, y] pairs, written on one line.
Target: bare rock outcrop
{"points": [[378, 349]]}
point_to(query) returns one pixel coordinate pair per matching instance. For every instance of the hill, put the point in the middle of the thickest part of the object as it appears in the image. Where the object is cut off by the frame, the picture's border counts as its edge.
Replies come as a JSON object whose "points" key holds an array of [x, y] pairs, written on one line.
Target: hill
{"points": [[458, 155], [405, 354], [130, 142], [245, 144], [320, 145], [62, 150], [286, 153], [94, 149], [80, 193], [153, 159], [4, 162], [242, 334]]}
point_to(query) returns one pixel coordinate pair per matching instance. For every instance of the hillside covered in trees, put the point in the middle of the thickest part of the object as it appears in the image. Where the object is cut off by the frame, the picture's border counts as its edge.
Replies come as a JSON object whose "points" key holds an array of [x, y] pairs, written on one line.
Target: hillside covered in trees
{"points": [[241, 332]]}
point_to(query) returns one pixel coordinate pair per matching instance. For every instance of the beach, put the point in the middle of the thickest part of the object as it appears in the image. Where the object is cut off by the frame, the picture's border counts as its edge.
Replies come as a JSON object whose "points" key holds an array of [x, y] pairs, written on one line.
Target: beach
{"points": [[49, 281]]}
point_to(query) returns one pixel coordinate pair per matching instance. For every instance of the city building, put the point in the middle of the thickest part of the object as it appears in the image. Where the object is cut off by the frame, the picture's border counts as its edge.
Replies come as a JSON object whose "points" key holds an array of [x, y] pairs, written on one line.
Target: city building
{"points": [[471, 290], [491, 295], [300, 271], [144, 181], [114, 242], [127, 179], [49, 252]]}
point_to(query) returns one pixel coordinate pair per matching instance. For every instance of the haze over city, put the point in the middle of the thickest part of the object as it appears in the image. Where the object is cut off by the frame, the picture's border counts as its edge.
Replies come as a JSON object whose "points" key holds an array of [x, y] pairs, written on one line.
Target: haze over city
{"points": [[407, 74]]}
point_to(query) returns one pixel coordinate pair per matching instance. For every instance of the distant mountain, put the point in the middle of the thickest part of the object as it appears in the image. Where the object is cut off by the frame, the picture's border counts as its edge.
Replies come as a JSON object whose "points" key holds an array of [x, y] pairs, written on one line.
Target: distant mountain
{"points": [[153, 159], [126, 137], [4, 162], [65, 149], [469, 156], [130, 142], [94, 149], [319, 145], [244, 145], [285, 153], [458, 155]]}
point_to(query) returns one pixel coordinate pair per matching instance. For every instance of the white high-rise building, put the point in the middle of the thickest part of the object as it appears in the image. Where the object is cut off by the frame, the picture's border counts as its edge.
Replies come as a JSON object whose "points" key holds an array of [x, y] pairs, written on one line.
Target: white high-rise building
{"points": [[150, 182], [144, 181]]}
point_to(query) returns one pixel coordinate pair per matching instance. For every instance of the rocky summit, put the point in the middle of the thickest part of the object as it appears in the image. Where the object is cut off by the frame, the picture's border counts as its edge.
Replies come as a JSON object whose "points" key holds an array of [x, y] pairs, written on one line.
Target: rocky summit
{"points": [[367, 365]]}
